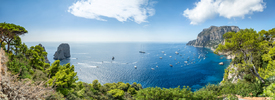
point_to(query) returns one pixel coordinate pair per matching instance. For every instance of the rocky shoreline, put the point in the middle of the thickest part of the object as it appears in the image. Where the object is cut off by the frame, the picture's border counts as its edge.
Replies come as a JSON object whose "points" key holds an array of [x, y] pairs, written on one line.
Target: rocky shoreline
{"points": [[210, 38]]}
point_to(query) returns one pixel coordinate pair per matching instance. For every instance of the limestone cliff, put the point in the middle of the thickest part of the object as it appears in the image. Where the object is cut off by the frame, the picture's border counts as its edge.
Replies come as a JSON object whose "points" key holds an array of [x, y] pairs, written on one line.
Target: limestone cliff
{"points": [[63, 52], [212, 36]]}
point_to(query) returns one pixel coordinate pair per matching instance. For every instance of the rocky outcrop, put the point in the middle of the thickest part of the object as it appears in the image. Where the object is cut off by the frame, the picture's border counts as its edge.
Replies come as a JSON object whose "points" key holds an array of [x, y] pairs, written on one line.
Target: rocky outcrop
{"points": [[212, 36], [45, 57], [63, 52], [233, 74]]}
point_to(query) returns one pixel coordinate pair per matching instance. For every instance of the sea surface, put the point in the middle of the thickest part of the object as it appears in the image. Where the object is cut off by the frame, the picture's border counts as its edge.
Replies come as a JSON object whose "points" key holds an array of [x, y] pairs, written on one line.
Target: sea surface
{"points": [[94, 61]]}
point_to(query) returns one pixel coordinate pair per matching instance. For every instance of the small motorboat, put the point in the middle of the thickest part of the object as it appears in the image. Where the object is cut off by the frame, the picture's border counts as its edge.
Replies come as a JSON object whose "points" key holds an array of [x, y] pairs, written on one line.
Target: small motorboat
{"points": [[164, 54], [162, 51], [170, 65], [185, 62], [176, 52], [160, 57], [157, 66], [141, 52], [135, 67], [170, 56], [221, 63], [152, 68]]}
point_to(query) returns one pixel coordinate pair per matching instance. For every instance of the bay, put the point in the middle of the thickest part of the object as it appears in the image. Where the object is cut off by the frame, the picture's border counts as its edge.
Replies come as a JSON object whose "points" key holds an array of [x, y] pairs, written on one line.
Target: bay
{"points": [[202, 65]]}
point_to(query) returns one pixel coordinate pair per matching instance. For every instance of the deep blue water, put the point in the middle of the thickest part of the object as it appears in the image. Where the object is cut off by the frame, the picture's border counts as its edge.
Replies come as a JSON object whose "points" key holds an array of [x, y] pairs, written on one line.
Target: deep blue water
{"points": [[85, 56]]}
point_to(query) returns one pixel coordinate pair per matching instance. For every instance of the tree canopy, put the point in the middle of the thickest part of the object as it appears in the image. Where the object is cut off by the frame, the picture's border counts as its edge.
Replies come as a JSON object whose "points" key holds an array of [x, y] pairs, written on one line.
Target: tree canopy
{"points": [[8, 31]]}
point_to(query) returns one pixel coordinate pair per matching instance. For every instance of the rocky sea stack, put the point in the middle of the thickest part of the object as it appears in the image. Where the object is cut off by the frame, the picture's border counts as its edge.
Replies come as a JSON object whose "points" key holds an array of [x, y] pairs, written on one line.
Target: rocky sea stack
{"points": [[63, 52], [212, 36], [45, 57]]}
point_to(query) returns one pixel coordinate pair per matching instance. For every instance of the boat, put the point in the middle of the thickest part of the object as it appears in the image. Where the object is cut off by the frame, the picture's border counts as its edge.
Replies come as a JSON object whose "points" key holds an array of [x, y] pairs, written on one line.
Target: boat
{"points": [[170, 65], [141, 49], [176, 52], [170, 56], [141, 52], [160, 57], [162, 51], [152, 68], [221, 63], [185, 62], [157, 66], [164, 54], [135, 67], [175, 59]]}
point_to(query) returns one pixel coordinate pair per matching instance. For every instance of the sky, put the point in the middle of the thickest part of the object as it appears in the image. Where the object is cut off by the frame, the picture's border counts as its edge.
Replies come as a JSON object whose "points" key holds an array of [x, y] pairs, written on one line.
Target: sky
{"points": [[132, 20]]}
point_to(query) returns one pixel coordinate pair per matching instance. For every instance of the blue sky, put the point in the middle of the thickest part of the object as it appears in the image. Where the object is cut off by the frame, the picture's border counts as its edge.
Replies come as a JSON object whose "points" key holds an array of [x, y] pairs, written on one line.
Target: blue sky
{"points": [[132, 20]]}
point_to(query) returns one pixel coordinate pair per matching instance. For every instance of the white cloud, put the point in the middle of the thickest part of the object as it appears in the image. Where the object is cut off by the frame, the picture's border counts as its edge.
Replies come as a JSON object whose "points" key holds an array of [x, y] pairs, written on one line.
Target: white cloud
{"points": [[207, 9], [122, 10]]}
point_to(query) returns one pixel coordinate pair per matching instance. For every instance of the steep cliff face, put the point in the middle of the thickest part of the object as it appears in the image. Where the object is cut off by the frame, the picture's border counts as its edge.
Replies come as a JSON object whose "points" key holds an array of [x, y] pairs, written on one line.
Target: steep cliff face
{"points": [[212, 36], [63, 52]]}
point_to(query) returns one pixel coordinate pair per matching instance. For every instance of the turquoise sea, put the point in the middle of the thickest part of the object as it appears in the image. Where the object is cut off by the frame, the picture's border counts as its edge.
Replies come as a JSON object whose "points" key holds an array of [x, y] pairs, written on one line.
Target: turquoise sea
{"points": [[202, 65]]}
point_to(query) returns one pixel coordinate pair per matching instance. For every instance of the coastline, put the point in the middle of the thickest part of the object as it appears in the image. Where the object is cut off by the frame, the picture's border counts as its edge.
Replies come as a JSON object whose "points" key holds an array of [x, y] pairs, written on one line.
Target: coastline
{"points": [[219, 53]]}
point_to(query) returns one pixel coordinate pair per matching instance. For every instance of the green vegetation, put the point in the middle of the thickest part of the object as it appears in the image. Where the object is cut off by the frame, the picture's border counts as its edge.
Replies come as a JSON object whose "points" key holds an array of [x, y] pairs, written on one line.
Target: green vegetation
{"points": [[255, 56]]}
